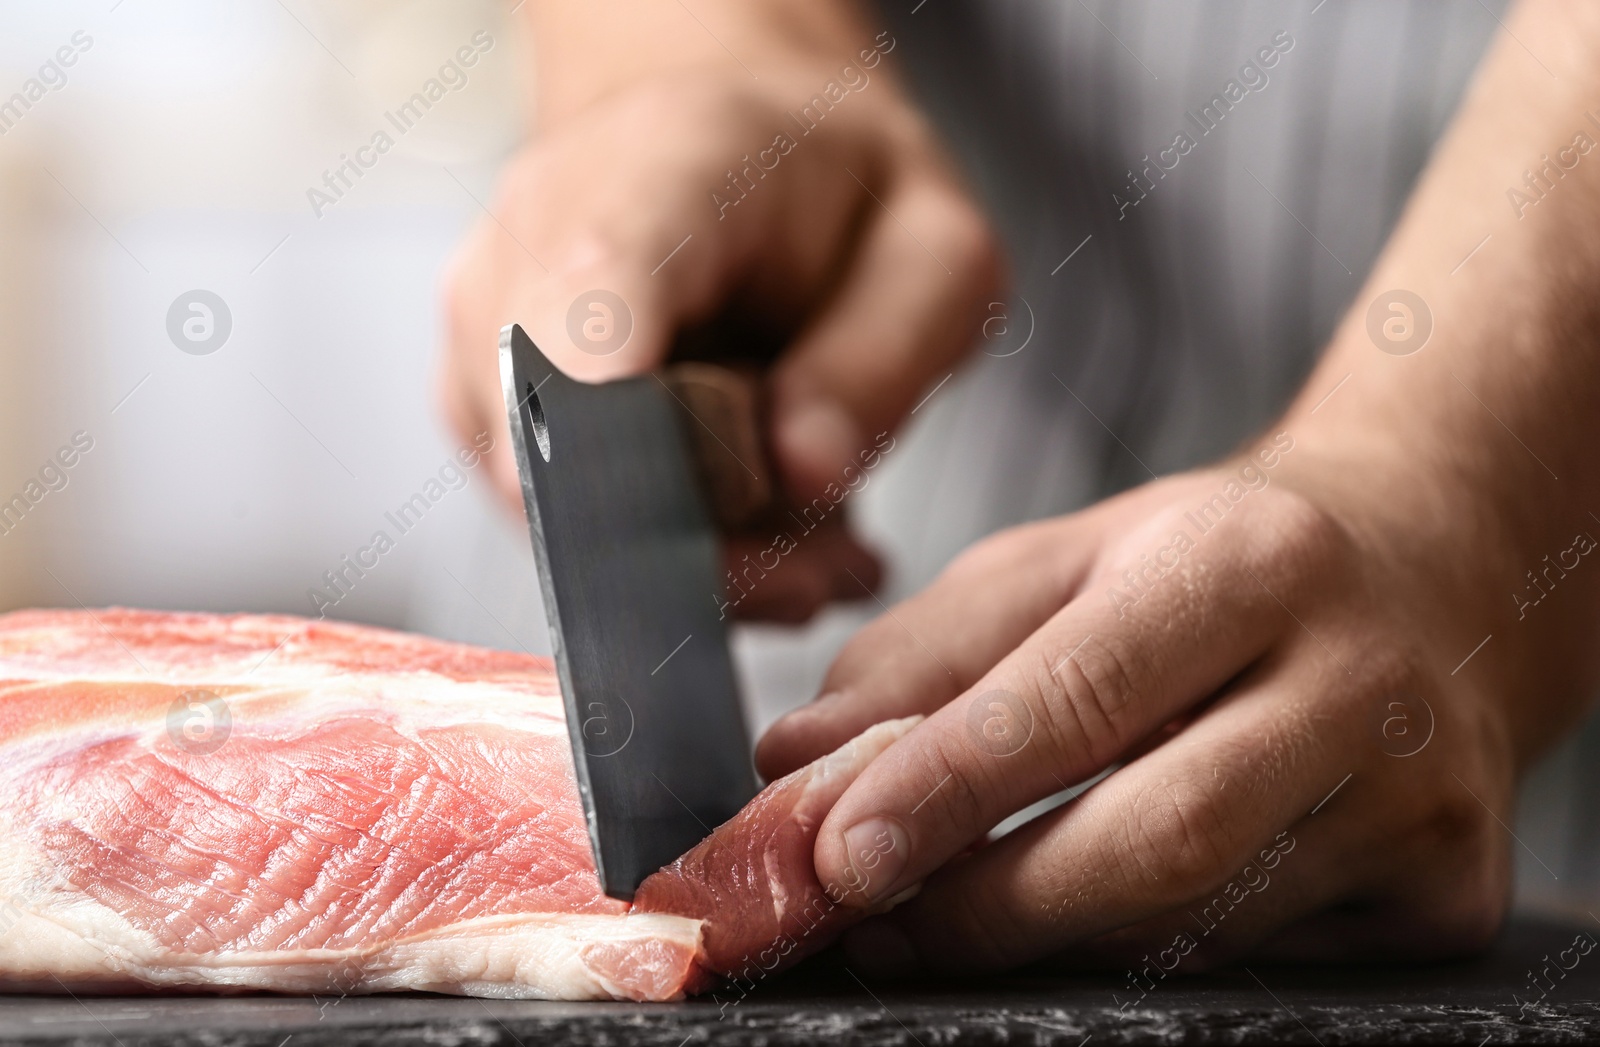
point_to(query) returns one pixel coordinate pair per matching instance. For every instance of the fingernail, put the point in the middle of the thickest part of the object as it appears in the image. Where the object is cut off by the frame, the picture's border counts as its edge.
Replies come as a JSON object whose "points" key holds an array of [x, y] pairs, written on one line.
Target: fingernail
{"points": [[817, 439], [881, 950], [876, 849]]}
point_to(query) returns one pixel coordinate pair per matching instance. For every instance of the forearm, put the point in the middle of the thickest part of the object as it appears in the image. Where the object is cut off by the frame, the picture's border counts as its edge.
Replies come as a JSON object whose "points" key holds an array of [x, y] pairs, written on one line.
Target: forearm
{"points": [[1481, 442], [587, 50]]}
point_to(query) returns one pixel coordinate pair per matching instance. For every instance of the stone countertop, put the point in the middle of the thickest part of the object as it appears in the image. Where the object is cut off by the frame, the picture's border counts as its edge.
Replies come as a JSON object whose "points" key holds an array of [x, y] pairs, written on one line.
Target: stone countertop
{"points": [[1467, 1003]]}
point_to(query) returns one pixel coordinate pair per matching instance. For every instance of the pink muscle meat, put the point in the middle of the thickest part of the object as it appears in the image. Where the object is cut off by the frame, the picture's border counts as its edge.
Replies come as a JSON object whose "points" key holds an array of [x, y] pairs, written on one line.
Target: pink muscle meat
{"points": [[259, 802]]}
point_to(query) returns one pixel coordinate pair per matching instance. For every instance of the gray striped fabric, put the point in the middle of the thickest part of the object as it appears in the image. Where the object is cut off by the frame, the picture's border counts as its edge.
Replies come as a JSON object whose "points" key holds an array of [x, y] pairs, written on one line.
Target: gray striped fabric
{"points": [[1186, 323]]}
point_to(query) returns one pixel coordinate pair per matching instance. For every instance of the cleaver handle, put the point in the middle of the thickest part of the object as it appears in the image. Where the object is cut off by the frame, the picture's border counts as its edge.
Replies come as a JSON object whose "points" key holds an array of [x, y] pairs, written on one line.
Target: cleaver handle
{"points": [[722, 409]]}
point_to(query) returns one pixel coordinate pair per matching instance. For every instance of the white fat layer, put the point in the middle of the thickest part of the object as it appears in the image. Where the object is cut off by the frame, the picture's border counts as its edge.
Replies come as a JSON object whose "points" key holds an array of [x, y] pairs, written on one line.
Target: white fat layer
{"points": [[531, 956]]}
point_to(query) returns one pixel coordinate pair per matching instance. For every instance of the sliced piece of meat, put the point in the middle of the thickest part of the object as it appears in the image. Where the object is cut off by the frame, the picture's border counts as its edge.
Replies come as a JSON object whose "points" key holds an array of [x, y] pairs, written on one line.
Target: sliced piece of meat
{"points": [[258, 802], [753, 879]]}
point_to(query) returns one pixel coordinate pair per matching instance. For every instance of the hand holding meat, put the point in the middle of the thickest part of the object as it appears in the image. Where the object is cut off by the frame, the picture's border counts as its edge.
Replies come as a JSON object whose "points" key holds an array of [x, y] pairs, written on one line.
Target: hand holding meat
{"points": [[1333, 660], [1238, 660]]}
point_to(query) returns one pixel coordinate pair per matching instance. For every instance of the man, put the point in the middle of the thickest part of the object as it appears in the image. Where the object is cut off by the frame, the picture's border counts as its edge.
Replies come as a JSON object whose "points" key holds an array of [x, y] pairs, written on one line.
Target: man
{"points": [[1318, 666]]}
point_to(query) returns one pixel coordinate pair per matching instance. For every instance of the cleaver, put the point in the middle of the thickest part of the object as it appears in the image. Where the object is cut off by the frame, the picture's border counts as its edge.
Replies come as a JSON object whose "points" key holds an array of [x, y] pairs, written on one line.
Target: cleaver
{"points": [[625, 483]]}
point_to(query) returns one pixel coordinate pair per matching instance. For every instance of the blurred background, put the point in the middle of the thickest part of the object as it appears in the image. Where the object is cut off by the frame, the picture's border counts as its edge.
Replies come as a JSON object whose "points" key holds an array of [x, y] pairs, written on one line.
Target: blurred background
{"points": [[175, 154]]}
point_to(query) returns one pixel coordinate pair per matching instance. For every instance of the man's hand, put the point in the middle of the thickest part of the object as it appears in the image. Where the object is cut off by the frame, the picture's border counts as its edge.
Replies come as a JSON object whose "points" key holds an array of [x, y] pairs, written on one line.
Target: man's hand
{"points": [[1314, 673], [1283, 642], [665, 189]]}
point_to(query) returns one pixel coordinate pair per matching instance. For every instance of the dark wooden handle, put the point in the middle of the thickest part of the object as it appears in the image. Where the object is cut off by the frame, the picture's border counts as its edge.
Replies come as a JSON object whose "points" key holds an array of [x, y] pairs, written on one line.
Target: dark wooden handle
{"points": [[723, 409]]}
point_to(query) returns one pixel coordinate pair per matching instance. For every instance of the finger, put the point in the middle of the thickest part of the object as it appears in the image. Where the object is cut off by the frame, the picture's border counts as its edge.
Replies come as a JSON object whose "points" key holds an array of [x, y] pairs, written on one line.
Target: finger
{"points": [[1091, 682], [930, 648], [594, 292], [1370, 925], [933, 646], [624, 216], [909, 305], [603, 258], [1175, 826], [789, 581], [1436, 884], [1297, 877], [1405, 874], [1315, 866]]}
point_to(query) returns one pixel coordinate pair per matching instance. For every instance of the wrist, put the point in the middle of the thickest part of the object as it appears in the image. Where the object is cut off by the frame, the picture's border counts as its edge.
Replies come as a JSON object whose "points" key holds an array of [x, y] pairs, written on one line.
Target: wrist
{"points": [[1459, 534]]}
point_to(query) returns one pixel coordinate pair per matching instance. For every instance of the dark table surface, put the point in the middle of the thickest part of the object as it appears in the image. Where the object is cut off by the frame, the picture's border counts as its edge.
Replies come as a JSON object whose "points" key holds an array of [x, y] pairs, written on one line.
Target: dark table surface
{"points": [[1468, 1003]]}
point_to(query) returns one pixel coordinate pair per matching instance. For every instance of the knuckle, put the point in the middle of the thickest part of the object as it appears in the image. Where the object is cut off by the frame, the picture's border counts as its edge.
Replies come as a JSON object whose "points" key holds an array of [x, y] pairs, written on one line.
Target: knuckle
{"points": [[1179, 838], [960, 791], [1456, 824], [1386, 681], [880, 651], [974, 243], [982, 558], [1394, 667], [1463, 843], [693, 97], [1295, 540], [1034, 546], [963, 797], [1086, 700]]}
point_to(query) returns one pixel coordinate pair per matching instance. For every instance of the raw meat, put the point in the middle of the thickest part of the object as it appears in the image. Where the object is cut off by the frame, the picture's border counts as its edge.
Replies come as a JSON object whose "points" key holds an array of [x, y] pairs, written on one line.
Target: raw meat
{"points": [[257, 802], [753, 879]]}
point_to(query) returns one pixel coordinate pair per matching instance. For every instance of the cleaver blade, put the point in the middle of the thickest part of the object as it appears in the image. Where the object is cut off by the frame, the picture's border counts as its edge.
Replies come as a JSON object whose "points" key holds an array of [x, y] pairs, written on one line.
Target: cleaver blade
{"points": [[628, 559]]}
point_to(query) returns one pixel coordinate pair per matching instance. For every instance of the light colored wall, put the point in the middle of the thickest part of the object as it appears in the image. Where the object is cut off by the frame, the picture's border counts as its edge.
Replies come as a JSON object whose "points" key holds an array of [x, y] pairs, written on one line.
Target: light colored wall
{"points": [[177, 156], [24, 261]]}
